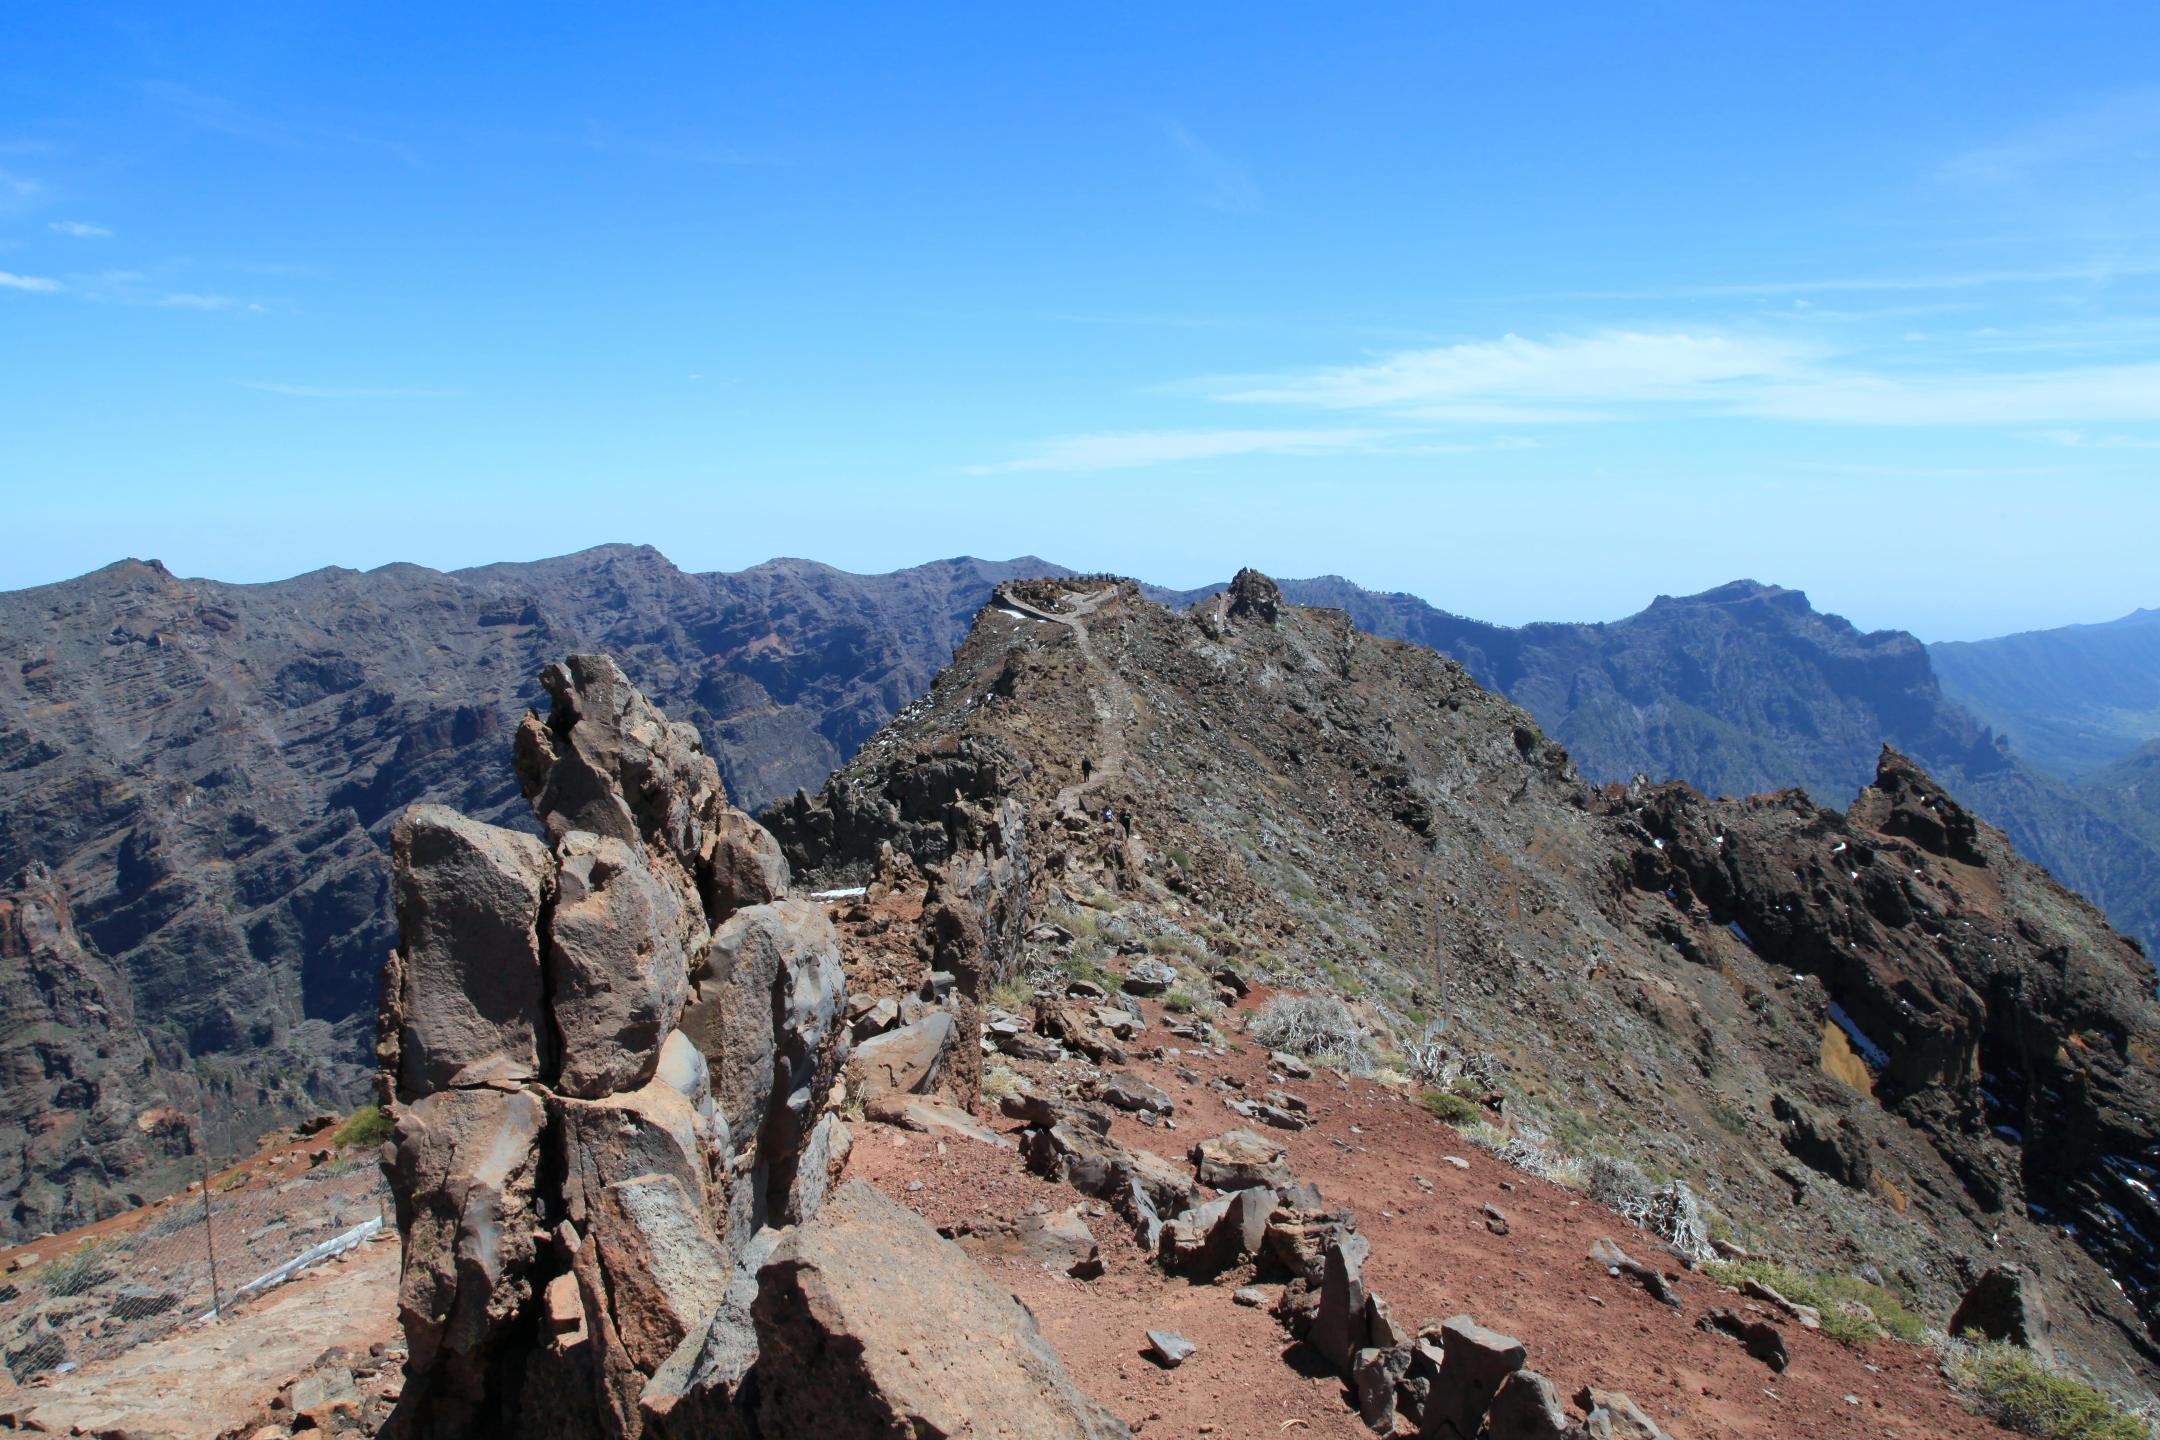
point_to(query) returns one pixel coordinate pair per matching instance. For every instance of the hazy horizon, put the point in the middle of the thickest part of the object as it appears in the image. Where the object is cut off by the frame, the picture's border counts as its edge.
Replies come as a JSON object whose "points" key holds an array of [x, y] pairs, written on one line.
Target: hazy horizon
{"points": [[1530, 317], [1216, 579]]}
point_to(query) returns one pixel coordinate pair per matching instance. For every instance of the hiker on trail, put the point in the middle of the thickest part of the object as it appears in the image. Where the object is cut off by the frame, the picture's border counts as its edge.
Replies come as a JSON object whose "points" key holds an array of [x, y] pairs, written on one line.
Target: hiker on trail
{"points": [[1125, 819], [1087, 767]]}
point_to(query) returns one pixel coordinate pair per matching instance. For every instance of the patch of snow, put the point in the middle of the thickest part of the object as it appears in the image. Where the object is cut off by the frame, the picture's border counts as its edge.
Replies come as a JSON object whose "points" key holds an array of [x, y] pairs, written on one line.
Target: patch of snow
{"points": [[1874, 1054], [1742, 935], [847, 894]]}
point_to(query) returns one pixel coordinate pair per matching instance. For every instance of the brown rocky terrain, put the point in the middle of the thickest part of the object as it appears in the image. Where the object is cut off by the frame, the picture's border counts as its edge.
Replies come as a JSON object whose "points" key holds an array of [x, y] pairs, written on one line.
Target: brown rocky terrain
{"points": [[618, 1062], [1872, 1041]]}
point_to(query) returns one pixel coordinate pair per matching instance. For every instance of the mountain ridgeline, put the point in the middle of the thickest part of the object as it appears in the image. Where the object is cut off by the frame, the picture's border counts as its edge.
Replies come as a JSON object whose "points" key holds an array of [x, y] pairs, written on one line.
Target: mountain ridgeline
{"points": [[198, 781], [1875, 1036], [1747, 688]]}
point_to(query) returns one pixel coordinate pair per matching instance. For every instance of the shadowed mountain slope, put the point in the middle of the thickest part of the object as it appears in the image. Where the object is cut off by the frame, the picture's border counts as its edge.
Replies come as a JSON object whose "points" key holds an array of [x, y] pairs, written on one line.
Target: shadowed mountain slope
{"points": [[210, 771], [2073, 699]]}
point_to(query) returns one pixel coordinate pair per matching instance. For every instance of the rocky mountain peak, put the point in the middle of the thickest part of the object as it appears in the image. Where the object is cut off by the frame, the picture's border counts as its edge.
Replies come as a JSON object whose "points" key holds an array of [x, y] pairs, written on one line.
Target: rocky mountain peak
{"points": [[1859, 1005], [1253, 595]]}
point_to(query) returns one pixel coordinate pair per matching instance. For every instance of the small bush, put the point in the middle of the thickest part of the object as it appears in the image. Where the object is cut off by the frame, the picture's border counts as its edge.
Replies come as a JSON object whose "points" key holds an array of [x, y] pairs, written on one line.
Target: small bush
{"points": [[2012, 1388], [367, 1125], [1853, 1311], [1453, 1108], [1180, 1001], [79, 1269], [1012, 995], [999, 1081], [1319, 1027]]}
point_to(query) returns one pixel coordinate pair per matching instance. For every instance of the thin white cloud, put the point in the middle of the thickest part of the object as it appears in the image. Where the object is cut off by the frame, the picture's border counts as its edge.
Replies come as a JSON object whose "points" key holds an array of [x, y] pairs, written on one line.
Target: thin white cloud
{"points": [[2079, 440], [189, 300], [1224, 183], [42, 284], [2089, 272], [17, 185], [1132, 449], [344, 392], [1637, 375], [1136, 449], [2119, 129], [80, 230], [1515, 380]]}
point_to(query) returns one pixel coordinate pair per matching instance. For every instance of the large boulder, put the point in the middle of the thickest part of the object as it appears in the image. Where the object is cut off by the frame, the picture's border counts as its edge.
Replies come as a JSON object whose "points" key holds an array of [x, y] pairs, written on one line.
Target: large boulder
{"points": [[1240, 1160], [2005, 1304], [464, 1168], [617, 970], [906, 1061], [471, 1001], [871, 1325], [1475, 1363], [765, 1011]]}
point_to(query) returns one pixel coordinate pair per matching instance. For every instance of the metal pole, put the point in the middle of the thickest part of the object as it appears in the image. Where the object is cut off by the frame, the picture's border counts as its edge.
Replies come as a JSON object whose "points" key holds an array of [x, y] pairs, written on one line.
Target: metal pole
{"points": [[202, 1168]]}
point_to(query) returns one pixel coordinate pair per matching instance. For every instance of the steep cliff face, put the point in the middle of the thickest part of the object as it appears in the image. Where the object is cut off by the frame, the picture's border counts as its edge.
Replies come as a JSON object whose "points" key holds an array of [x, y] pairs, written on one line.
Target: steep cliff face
{"points": [[211, 771], [1748, 688], [88, 1122], [1876, 1037]]}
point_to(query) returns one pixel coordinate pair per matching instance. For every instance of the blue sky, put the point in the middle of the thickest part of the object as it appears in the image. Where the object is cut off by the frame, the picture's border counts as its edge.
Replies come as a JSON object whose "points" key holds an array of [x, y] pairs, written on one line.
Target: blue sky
{"points": [[1535, 315]]}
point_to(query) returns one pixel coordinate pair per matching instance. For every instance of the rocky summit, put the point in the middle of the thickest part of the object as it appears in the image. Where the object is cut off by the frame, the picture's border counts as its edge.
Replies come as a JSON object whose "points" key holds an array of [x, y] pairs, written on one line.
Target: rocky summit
{"points": [[1874, 1041], [612, 1057]]}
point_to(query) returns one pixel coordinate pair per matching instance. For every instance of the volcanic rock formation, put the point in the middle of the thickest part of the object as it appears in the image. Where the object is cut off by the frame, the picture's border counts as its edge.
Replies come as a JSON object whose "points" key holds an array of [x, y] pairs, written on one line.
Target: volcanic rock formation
{"points": [[612, 1058]]}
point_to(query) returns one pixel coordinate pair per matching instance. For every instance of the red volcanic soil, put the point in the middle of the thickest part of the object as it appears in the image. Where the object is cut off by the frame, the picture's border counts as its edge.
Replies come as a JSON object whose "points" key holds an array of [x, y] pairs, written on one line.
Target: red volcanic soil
{"points": [[1432, 1257]]}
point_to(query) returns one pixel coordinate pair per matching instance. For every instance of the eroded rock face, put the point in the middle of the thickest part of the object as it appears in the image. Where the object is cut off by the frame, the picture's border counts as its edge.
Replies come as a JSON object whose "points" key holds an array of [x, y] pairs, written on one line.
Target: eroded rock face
{"points": [[468, 899], [612, 1055], [614, 1058], [869, 1325]]}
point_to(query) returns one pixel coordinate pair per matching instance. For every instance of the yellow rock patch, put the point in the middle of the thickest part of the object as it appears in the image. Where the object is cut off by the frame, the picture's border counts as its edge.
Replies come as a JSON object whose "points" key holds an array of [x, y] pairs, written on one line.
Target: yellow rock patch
{"points": [[1841, 1062]]}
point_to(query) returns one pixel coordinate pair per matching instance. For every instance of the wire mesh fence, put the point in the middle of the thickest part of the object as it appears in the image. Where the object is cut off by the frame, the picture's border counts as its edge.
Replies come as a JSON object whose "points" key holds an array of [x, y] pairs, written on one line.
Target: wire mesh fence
{"points": [[185, 1260]]}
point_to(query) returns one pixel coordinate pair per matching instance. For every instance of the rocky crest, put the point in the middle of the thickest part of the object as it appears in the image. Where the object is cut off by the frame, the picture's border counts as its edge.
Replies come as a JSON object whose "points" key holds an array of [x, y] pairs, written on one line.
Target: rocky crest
{"points": [[1876, 1033], [612, 1060]]}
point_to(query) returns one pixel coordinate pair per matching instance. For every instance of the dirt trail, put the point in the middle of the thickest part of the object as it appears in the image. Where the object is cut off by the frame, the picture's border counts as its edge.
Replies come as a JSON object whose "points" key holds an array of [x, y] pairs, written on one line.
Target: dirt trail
{"points": [[1107, 691]]}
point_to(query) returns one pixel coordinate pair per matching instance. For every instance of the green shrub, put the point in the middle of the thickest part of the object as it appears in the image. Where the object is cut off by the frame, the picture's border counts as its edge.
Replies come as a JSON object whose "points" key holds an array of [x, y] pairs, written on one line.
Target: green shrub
{"points": [[1015, 994], [1180, 1001], [1453, 1108], [367, 1125], [79, 1269], [1832, 1295], [2009, 1386]]}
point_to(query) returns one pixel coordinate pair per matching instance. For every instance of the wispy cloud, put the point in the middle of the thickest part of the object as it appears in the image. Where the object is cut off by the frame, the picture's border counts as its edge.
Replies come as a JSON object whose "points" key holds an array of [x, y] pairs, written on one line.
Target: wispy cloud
{"points": [[345, 392], [2087, 272], [1132, 449], [1637, 375], [1222, 182], [19, 186], [80, 230], [2079, 440], [2117, 129], [41, 283], [1514, 379], [1136, 449]]}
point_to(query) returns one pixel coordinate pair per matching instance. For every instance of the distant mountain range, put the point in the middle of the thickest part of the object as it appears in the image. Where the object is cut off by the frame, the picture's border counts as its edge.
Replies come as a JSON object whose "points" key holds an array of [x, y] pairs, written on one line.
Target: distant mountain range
{"points": [[209, 772], [2072, 700]]}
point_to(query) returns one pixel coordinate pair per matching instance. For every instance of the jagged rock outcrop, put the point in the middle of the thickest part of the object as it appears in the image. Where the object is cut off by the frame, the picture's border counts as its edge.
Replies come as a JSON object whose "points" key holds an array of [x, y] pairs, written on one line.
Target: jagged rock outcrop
{"points": [[613, 1059], [611, 1055]]}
